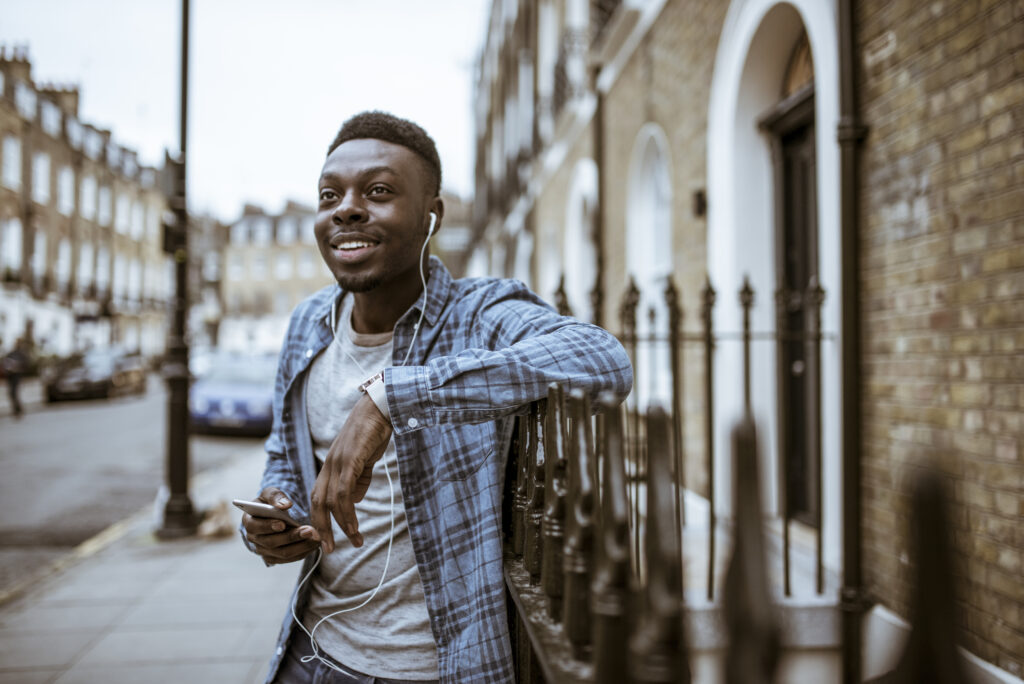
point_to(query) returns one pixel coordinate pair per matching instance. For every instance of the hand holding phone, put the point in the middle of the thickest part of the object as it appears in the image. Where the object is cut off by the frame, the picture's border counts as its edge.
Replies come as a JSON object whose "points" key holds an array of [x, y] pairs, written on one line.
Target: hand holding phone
{"points": [[274, 534], [259, 509]]}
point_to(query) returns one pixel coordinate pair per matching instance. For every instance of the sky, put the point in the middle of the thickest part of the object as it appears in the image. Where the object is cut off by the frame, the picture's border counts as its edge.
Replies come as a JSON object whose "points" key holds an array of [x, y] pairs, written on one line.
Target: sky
{"points": [[270, 82]]}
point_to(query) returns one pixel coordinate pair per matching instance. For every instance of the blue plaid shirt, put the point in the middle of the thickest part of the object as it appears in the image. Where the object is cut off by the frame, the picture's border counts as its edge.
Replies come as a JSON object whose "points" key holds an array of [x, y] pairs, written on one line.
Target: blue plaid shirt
{"points": [[488, 347]]}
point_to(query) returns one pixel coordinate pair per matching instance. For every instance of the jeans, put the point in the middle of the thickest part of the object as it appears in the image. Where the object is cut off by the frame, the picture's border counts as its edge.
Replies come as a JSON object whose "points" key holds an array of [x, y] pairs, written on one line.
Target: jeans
{"points": [[294, 671]]}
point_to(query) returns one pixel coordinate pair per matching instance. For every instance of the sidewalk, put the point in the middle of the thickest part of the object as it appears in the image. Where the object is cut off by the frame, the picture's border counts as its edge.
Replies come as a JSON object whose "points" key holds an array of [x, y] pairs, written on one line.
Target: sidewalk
{"points": [[128, 608]]}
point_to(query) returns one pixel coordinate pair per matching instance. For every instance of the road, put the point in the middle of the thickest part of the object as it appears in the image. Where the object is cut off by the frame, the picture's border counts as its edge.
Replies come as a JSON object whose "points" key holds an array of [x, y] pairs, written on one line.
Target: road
{"points": [[73, 468]]}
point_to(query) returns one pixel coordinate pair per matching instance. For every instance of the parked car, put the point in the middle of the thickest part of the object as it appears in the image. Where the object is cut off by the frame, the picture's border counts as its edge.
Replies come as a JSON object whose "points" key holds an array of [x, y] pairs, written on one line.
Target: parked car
{"points": [[98, 373], [234, 396]]}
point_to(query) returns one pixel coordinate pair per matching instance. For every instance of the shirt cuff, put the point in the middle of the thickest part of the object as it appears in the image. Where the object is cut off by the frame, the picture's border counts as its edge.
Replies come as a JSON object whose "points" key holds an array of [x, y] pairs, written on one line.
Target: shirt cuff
{"points": [[408, 390], [379, 395]]}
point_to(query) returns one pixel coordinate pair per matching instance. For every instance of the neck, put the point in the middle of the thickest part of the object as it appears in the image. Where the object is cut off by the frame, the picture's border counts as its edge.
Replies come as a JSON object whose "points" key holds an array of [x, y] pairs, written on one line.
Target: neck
{"points": [[378, 310]]}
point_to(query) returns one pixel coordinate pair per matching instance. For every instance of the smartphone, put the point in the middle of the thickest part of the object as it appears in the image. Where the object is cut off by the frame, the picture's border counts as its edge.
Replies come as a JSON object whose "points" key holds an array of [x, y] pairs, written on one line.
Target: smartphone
{"points": [[263, 510]]}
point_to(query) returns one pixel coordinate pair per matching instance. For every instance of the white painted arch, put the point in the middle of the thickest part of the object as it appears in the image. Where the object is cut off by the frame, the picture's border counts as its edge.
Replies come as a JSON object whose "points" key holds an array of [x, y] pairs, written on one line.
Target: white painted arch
{"points": [[649, 255], [751, 58]]}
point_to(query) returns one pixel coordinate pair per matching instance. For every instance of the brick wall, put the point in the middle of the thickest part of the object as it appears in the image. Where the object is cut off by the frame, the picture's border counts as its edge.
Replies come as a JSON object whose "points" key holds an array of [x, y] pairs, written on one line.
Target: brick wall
{"points": [[668, 81], [942, 89]]}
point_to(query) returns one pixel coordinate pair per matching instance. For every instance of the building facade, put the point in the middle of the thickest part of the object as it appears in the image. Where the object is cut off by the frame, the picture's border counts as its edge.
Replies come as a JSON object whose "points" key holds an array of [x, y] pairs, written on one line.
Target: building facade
{"points": [[722, 143], [270, 263], [80, 234]]}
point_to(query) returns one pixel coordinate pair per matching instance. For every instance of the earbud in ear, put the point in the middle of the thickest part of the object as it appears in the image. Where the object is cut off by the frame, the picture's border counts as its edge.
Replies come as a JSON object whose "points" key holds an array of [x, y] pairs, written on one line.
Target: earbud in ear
{"points": [[433, 223]]}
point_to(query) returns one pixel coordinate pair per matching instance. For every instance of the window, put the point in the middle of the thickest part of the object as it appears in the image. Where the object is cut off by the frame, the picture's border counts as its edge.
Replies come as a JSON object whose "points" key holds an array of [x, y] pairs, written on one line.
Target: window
{"points": [[211, 267], [259, 266], [286, 229], [306, 268], [235, 269], [39, 254], [102, 269], [282, 303], [3, 84], [12, 163], [153, 222], [49, 115], [25, 99], [41, 178], [113, 155], [122, 216], [261, 232], [103, 212], [283, 266], [63, 262], [134, 279], [66, 191], [87, 198], [120, 276], [93, 143], [239, 233], [85, 265], [12, 240], [74, 130], [138, 227], [308, 234]]}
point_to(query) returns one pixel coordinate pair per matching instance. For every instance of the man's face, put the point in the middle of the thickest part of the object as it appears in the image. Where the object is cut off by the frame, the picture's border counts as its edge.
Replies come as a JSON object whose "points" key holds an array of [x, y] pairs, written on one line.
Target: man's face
{"points": [[373, 214]]}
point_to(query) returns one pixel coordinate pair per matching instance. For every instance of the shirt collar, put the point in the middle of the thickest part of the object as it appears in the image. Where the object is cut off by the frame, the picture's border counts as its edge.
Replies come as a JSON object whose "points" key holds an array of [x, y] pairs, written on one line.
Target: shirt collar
{"points": [[439, 282]]}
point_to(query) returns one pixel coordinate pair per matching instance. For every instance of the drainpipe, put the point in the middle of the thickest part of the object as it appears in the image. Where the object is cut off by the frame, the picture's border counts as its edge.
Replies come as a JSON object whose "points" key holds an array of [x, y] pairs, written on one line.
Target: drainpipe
{"points": [[851, 133], [597, 294]]}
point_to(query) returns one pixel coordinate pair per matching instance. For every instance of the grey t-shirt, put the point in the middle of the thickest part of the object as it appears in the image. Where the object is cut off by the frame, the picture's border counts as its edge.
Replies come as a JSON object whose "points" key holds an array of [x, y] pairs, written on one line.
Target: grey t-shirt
{"points": [[390, 636]]}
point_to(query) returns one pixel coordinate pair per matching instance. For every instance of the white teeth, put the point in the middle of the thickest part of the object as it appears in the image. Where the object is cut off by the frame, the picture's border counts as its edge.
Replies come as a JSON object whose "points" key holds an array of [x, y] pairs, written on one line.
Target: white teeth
{"points": [[353, 245]]}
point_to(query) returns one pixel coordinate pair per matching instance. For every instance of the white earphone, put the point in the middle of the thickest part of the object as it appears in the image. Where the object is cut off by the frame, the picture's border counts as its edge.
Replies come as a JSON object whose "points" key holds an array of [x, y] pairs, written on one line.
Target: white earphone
{"points": [[433, 222]]}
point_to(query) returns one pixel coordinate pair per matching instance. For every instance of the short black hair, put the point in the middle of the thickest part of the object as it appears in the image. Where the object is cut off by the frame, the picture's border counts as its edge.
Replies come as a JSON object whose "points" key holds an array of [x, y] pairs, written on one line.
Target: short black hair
{"points": [[378, 125]]}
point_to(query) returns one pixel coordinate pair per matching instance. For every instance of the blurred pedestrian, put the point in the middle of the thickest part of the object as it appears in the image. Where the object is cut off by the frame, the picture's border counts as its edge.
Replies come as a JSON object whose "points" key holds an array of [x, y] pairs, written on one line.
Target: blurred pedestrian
{"points": [[16, 364]]}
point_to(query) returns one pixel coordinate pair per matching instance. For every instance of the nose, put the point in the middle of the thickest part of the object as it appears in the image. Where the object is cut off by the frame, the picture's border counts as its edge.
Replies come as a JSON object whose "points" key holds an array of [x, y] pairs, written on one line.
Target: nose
{"points": [[349, 210]]}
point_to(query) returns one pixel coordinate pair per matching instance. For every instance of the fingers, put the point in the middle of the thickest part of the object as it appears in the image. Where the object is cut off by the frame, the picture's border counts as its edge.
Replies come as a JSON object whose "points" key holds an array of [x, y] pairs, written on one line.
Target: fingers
{"points": [[287, 546], [319, 513], [341, 492], [275, 497]]}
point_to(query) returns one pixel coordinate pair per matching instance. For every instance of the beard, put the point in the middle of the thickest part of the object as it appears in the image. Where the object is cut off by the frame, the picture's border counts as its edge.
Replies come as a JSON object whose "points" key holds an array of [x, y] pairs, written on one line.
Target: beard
{"points": [[359, 283]]}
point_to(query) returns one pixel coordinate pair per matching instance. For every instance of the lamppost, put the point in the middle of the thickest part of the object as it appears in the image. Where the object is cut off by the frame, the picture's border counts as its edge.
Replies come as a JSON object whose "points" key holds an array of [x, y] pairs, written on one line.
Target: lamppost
{"points": [[179, 518]]}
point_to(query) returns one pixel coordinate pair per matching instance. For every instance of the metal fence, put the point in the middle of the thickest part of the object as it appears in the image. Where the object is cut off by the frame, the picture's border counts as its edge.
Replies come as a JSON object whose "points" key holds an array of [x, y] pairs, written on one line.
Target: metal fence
{"points": [[595, 528]]}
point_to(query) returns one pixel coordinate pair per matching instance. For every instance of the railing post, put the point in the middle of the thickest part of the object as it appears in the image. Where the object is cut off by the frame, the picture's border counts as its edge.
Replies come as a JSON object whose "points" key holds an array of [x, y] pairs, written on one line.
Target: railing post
{"points": [[782, 299], [534, 514], [746, 302], [519, 500], [931, 653], [675, 349], [553, 522], [627, 318], [749, 615], [708, 303], [657, 649], [579, 532], [562, 299], [609, 591], [815, 298]]}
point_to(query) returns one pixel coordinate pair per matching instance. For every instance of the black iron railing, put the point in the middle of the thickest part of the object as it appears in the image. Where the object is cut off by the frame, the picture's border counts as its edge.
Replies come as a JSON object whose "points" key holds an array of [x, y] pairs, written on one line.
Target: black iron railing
{"points": [[595, 529]]}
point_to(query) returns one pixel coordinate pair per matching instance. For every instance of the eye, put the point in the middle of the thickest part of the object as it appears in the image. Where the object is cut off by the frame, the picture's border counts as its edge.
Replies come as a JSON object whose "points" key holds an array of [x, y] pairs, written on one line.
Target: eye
{"points": [[378, 190], [326, 195]]}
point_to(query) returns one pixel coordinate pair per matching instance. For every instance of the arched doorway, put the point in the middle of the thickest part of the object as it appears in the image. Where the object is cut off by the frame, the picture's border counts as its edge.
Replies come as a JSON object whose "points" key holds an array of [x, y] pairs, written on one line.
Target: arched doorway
{"points": [[775, 102]]}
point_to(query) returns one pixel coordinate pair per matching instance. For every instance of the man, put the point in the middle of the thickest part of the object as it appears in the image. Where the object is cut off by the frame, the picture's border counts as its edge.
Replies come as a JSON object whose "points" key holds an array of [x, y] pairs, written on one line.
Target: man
{"points": [[16, 363], [393, 411]]}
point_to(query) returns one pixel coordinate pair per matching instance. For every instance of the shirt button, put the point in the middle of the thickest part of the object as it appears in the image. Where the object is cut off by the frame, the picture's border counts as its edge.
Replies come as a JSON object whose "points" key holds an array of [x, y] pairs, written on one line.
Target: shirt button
{"points": [[280, 650], [309, 353], [413, 423]]}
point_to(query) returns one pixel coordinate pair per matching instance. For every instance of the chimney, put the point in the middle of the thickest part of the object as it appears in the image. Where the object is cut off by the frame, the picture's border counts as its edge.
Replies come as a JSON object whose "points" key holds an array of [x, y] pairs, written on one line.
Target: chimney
{"points": [[66, 97]]}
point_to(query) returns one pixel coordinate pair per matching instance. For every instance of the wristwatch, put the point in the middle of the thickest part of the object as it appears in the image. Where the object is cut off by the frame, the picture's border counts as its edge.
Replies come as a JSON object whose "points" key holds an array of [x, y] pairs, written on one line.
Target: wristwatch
{"points": [[374, 388]]}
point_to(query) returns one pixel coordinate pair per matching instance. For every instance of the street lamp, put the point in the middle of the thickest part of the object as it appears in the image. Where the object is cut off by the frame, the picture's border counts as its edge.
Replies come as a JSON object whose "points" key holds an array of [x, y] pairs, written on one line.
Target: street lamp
{"points": [[179, 518]]}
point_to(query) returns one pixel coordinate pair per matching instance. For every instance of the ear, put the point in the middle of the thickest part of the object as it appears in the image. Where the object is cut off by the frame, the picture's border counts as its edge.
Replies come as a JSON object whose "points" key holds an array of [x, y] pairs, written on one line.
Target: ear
{"points": [[436, 206]]}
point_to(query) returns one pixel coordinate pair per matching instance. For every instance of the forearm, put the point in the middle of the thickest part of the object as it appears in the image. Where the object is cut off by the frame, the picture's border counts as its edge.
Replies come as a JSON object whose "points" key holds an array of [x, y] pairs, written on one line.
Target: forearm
{"points": [[477, 385]]}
